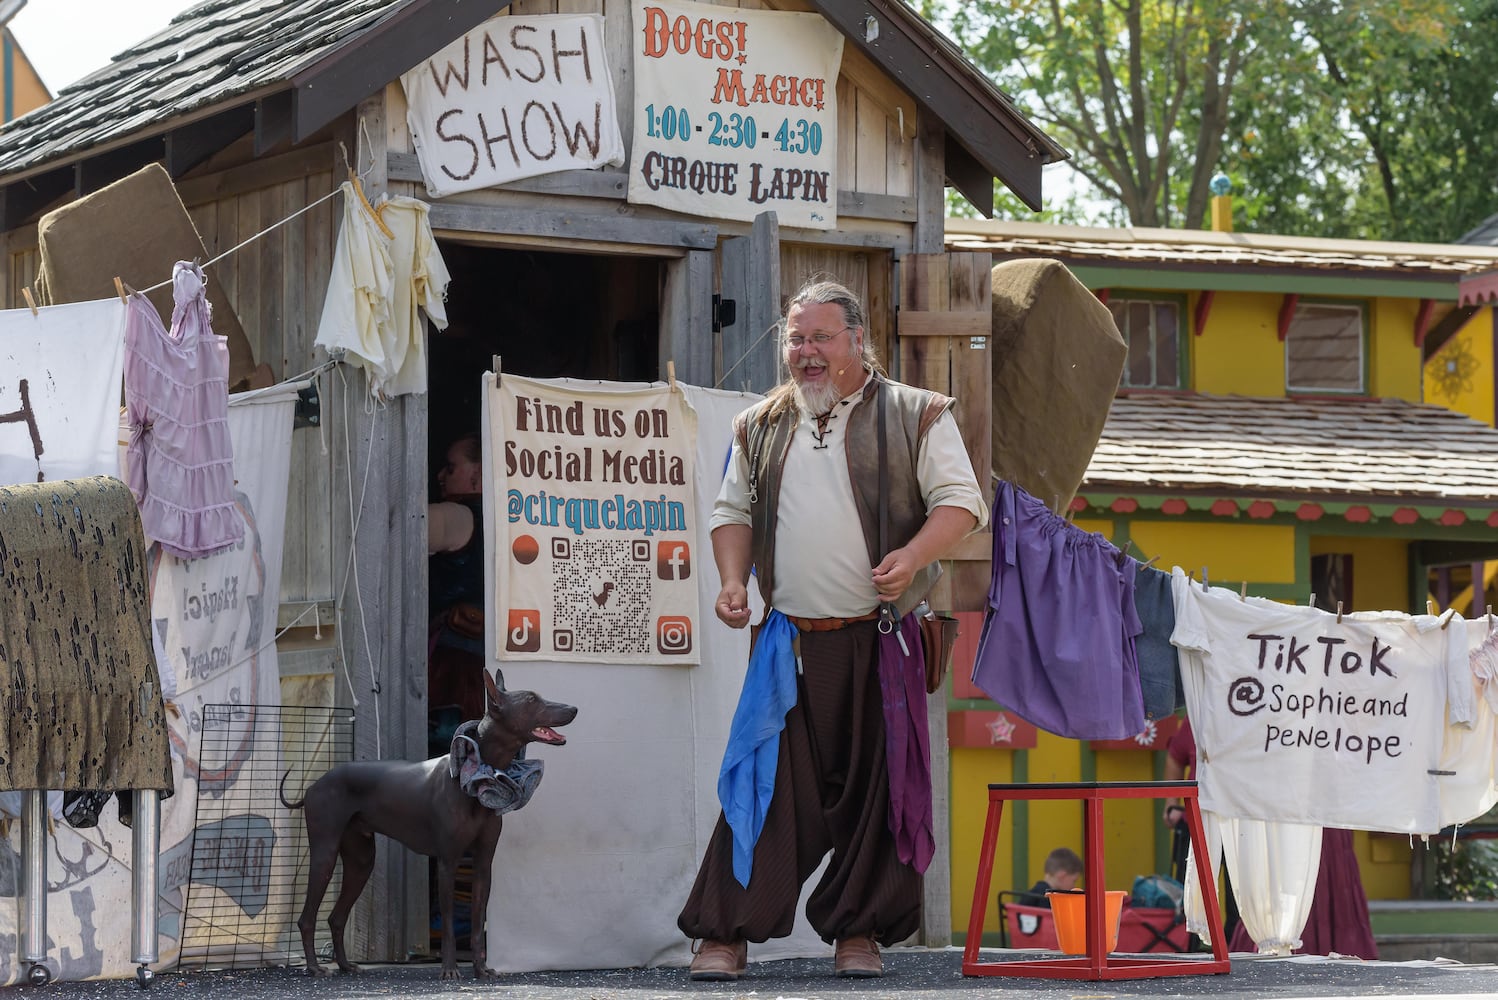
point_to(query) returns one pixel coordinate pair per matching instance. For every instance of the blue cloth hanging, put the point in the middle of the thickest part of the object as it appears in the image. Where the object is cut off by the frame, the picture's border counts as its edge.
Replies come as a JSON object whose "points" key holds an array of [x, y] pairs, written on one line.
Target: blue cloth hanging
{"points": [[746, 780]]}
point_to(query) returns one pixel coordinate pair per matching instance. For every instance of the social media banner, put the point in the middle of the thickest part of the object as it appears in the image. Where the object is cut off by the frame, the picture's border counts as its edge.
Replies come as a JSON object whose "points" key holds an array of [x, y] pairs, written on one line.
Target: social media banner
{"points": [[595, 525]]}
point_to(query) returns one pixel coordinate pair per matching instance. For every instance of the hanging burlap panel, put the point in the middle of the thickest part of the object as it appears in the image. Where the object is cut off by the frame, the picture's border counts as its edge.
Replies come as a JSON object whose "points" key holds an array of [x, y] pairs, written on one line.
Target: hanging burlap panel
{"points": [[81, 704]]}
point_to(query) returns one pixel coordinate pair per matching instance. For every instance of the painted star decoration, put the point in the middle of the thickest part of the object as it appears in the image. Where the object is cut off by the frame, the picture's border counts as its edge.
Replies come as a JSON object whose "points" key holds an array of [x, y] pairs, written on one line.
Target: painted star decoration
{"points": [[1000, 730]]}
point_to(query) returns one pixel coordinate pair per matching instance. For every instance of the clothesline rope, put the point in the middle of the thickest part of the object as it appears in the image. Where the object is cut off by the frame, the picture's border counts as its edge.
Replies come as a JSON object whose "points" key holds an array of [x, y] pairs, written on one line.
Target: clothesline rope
{"points": [[270, 228]]}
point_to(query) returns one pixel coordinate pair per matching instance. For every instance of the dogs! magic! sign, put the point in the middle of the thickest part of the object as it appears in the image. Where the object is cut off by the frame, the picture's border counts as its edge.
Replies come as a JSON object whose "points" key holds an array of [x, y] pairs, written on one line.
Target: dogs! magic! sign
{"points": [[735, 112], [595, 530]]}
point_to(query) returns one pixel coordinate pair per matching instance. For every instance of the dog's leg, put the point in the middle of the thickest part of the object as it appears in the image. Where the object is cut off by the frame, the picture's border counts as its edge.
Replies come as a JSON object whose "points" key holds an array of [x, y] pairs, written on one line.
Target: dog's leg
{"points": [[357, 849], [320, 871], [447, 877], [483, 868]]}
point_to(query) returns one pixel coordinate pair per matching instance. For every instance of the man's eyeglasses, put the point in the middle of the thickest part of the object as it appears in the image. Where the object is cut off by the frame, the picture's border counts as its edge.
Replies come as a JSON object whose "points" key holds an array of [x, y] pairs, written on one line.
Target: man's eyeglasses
{"points": [[820, 339]]}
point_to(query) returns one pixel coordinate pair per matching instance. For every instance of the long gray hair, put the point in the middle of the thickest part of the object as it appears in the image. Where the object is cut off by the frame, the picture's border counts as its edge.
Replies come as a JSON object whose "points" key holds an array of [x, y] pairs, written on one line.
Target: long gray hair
{"points": [[815, 293]]}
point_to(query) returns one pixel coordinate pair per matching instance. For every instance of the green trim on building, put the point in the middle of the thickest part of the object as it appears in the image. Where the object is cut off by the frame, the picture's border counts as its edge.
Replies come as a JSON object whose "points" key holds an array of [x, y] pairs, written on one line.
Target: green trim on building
{"points": [[1267, 280], [1019, 810], [1332, 521], [1303, 562]]}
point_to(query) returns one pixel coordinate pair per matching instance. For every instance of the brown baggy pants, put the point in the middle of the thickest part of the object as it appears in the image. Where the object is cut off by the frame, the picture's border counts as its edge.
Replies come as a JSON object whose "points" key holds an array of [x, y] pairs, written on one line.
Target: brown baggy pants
{"points": [[831, 793]]}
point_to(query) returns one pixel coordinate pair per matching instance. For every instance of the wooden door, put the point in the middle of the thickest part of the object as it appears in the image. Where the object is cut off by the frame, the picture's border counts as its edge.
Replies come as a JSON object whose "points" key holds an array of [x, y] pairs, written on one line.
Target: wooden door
{"points": [[751, 281]]}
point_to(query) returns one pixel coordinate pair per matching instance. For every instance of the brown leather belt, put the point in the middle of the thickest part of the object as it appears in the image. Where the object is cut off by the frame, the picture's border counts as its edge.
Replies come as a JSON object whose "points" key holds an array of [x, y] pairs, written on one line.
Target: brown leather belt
{"points": [[829, 624]]}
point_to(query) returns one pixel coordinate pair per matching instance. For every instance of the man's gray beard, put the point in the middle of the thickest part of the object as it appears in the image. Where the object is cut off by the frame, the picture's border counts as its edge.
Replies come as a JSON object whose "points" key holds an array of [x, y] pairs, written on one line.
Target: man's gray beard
{"points": [[817, 398]]}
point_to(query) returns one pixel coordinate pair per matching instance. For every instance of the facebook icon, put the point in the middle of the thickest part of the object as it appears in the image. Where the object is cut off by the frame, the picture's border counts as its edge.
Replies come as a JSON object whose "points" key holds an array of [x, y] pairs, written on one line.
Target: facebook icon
{"points": [[673, 561]]}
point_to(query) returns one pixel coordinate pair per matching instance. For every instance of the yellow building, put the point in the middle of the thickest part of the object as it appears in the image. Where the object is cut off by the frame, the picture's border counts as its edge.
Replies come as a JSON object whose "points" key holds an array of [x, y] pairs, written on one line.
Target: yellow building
{"points": [[1296, 417], [21, 89]]}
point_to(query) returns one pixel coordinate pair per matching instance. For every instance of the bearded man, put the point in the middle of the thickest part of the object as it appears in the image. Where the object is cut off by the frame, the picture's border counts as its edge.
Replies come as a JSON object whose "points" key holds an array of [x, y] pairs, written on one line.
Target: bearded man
{"points": [[836, 456]]}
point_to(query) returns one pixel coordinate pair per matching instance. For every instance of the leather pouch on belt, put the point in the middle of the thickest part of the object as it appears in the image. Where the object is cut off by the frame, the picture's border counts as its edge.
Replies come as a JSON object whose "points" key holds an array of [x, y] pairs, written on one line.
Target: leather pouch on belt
{"points": [[938, 638]]}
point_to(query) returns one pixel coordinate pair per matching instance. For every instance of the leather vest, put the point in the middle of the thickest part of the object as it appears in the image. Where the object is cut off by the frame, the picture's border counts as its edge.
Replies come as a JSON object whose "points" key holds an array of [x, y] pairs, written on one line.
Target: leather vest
{"points": [[910, 412]]}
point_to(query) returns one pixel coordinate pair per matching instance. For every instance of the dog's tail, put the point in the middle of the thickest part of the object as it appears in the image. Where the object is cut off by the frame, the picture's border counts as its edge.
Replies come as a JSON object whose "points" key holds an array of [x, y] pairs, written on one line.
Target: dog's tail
{"points": [[281, 793]]}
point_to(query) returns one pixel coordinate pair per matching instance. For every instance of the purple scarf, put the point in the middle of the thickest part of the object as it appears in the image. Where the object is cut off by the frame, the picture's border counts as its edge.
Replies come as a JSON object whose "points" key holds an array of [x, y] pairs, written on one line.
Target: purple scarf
{"points": [[907, 742]]}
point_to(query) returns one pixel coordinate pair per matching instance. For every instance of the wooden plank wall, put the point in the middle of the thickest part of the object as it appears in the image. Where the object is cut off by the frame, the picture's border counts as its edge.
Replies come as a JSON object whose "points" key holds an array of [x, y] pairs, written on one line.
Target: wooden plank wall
{"points": [[276, 287], [945, 317]]}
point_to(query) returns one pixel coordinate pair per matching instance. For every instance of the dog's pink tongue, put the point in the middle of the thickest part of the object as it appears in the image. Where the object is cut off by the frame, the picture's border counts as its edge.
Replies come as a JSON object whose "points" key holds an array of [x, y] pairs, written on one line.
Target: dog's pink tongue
{"points": [[546, 734]]}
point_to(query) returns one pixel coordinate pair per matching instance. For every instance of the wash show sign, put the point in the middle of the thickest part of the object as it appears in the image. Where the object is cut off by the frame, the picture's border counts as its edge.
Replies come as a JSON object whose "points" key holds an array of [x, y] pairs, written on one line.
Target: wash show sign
{"points": [[513, 98]]}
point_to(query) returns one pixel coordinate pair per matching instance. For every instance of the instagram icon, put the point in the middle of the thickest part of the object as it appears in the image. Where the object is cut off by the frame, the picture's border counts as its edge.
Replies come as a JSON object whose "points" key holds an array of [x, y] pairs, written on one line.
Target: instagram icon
{"points": [[673, 635]]}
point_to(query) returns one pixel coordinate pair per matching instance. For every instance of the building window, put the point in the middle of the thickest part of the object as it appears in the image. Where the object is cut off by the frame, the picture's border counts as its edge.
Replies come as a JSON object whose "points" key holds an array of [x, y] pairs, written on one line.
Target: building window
{"points": [[1152, 329], [1324, 348], [1331, 581]]}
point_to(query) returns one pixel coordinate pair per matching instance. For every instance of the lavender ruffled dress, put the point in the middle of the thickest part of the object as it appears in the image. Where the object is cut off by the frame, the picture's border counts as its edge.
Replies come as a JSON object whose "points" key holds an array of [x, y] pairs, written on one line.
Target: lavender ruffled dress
{"points": [[180, 460]]}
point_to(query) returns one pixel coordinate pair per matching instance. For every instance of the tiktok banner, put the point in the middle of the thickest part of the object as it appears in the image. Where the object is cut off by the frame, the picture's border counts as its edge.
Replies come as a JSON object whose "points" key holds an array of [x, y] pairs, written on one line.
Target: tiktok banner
{"points": [[595, 527], [735, 112], [513, 98], [60, 378]]}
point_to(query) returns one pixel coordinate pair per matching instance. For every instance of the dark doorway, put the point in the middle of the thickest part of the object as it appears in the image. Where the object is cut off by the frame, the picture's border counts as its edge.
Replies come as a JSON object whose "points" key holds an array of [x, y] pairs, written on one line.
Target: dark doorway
{"points": [[546, 315]]}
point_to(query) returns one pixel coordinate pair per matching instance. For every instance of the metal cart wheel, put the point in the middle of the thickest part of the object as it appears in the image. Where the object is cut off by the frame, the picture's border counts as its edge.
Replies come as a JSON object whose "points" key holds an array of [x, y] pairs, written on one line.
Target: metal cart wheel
{"points": [[39, 975], [144, 977]]}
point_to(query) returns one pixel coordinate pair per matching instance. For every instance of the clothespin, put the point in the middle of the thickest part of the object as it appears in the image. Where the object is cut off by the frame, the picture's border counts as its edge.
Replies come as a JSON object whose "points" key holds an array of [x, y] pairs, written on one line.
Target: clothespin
{"points": [[1204, 579], [1243, 591], [119, 289], [30, 302], [1446, 618], [1430, 606], [1151, 561], [1339, 612], [1490, 618], [1312, 602], [1128, 544], [671, 374]]}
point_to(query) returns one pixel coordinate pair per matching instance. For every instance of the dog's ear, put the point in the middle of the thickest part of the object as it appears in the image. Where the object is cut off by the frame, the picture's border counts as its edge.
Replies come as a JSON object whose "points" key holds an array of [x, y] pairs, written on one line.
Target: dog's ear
{"points": [[494, 694]]}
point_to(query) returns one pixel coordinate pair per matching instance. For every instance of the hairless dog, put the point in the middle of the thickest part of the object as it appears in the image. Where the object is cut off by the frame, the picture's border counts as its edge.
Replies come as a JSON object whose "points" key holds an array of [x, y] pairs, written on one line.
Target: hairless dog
{"points": [[422, 805]]}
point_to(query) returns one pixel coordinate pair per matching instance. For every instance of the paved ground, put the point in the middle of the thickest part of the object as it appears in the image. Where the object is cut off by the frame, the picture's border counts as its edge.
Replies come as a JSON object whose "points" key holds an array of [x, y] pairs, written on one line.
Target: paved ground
{"points": [[911, 974]]}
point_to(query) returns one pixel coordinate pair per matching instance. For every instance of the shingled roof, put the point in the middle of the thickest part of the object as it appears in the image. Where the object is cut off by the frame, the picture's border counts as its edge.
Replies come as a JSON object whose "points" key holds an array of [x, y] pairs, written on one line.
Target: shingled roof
{"points": [[287, 68], [1217, 252], [1373, 450]]}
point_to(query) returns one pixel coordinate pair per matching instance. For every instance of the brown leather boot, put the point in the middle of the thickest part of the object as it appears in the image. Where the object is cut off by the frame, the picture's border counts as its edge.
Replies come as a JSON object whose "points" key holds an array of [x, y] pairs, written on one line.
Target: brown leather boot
{"points": [[858, 958], [719, 961]]}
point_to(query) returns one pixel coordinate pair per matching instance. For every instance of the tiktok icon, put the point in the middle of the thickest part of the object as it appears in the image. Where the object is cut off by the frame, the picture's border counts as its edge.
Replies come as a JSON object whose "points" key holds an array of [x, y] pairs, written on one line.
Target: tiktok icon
{"points": [[523, 632]]}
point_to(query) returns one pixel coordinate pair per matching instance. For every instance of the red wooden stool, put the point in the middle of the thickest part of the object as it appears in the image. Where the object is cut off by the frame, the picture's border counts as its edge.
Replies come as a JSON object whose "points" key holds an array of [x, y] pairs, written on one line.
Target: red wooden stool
{"points": [[1096, 964]]}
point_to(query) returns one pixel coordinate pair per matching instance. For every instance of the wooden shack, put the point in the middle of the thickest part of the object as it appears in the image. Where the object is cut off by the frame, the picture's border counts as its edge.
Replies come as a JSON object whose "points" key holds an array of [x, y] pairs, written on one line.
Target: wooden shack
{"points": [[257, 110]]}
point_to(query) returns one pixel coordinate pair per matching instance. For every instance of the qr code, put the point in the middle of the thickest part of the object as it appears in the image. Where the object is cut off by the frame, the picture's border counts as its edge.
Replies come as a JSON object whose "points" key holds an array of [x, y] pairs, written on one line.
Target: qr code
{"points": [[601, 594]]}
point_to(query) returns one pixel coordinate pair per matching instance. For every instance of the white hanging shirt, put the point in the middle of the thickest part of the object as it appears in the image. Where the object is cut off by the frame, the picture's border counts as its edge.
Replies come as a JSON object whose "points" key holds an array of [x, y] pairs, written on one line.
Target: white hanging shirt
{"points": [[358, 305], [1304, 719], [1469, 755], [419, 281]]}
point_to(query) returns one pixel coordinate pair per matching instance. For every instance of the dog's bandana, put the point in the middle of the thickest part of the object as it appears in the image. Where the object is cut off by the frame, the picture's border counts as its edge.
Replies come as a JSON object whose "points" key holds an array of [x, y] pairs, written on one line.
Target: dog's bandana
{"points": [[503, 791]]}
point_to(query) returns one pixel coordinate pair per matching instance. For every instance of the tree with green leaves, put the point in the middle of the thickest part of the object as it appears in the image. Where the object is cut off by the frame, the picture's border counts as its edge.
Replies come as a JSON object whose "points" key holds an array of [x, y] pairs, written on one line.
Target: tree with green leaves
{"points": [[1332, 117]]}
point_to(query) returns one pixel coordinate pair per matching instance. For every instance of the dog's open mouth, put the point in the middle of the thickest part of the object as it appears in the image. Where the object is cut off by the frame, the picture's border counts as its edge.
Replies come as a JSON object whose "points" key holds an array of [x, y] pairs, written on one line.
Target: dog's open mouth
{"points": [[546, 734]]}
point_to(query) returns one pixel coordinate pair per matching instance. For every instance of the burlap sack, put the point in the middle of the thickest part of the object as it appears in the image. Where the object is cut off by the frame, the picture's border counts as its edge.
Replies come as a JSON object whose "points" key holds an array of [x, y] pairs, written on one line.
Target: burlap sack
{"points": [[136, 229], [81, 707], [1057, 359]]}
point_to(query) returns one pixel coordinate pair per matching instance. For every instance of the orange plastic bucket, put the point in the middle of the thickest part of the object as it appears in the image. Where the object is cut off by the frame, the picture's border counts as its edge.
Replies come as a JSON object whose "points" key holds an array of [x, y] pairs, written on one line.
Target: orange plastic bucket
{"points": [[1070, 912]]}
